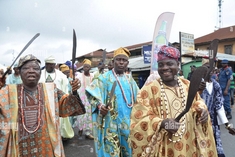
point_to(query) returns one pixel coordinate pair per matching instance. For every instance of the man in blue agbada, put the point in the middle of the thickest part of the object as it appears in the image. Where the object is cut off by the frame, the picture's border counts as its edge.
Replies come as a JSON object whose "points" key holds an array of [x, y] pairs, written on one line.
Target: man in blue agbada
{"points": [[111, 124]]}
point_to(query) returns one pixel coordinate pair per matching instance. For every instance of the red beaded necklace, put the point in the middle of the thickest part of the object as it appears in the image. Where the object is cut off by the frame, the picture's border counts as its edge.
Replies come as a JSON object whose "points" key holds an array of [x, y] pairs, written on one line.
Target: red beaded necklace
{"points": [[22, 111], [124, 96]]}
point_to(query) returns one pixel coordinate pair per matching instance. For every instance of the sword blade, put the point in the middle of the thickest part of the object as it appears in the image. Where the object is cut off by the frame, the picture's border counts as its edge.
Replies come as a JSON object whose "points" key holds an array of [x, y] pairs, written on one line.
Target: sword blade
{"points": [[212, 55], [111, 94], [26, 46], [193, 88], [74, 52], [110, 100], [104, 56]]}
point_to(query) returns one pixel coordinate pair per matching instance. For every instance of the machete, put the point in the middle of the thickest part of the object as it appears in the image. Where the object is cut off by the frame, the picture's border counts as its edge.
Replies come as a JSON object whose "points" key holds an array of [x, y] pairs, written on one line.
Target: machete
{"points": [[74, 52], [26, 46], [212, 55], [111, 94], [193, 88], [110, 100], [104, 56]]}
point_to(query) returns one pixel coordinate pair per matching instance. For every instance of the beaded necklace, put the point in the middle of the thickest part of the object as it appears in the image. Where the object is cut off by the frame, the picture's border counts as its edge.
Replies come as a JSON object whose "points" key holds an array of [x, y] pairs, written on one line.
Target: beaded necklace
{"points": [[164, 101], [124, 96], [22, 111]]}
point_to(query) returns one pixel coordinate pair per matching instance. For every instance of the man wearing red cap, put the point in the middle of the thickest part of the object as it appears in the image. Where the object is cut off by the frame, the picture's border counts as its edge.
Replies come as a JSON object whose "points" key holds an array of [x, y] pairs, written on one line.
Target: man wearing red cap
{"points": [[154, 131]]}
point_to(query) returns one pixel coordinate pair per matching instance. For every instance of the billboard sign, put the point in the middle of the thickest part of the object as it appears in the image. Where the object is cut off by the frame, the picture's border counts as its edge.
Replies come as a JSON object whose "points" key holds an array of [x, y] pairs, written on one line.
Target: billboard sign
{"points": [[147, 52], [186, 43]]}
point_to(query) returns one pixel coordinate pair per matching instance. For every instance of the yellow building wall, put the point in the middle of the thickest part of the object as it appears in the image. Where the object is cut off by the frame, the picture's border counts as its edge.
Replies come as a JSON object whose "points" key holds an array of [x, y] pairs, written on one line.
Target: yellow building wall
{"points": [[221, 46]]}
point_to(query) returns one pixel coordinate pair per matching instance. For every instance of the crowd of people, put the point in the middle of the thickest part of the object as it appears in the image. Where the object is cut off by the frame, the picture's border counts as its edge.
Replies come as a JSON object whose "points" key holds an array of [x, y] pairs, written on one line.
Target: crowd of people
{"points": [[225, 77], [40, 107]]}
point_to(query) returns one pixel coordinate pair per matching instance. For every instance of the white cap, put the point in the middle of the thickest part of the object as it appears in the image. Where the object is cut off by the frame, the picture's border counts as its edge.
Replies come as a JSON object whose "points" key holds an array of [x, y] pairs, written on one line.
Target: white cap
{"points": [[50, 59]]}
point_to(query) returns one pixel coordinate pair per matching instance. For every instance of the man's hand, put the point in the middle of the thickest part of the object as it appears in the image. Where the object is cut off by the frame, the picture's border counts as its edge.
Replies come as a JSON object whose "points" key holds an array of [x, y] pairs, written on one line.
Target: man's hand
{"points": [[103, 109], [225, 92], [76, 84], [170, 125], [230, 128], [202, 86], [202, 115], [2, 81]]}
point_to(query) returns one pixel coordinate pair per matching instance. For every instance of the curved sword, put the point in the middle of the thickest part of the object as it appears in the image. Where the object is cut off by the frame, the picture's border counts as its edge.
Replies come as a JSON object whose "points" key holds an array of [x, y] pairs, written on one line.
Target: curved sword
{"points": [[110, 100], [26, 46], [74, 52], [193, 88], [212, 55]]}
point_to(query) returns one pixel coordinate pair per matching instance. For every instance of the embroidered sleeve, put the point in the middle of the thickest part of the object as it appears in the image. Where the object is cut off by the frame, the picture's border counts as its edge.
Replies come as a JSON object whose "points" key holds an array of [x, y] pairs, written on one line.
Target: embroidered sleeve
{"points": [[146, 121], [219, 99], [96, 93], [69, 105]]}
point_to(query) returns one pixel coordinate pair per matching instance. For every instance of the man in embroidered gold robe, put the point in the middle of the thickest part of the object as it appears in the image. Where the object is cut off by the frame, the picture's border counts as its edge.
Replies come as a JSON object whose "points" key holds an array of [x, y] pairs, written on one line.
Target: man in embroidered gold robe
{"points": [[29, 113], [154, 131]]}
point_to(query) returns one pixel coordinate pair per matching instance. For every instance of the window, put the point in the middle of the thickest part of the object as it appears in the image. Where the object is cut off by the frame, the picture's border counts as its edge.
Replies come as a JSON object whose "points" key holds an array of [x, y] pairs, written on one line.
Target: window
{"points": [[228, 49]]}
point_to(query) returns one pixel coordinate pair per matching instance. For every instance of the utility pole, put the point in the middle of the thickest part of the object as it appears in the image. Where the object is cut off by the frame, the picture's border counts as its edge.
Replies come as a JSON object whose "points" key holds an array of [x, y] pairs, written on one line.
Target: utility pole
{"points": [[219, 14]]}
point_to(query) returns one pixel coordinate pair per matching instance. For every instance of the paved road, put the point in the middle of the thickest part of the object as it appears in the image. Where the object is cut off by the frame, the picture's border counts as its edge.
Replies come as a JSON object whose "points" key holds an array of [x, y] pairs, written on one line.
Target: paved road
{"points": [[85, 148], [228, 140], [79, 147]]}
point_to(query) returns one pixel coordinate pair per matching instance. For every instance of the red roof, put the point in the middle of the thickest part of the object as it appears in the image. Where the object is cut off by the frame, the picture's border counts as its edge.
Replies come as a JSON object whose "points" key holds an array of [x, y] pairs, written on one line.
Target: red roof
{"points": [[221, 34], [99, 53], [96, 53]]}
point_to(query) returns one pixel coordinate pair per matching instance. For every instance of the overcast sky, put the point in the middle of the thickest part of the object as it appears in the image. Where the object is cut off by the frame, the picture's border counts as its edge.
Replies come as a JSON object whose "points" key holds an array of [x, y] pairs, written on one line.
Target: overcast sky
{"points": [[99, 24]]}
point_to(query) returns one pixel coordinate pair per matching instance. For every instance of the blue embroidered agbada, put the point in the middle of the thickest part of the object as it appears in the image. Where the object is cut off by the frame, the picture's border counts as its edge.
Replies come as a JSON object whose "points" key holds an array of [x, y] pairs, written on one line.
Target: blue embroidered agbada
{"points": [[111, 135]]}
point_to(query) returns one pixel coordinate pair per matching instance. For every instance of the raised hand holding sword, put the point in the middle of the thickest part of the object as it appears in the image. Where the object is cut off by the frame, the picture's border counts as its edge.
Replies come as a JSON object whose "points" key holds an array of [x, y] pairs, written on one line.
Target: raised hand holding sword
{"points": [[3, 77]]}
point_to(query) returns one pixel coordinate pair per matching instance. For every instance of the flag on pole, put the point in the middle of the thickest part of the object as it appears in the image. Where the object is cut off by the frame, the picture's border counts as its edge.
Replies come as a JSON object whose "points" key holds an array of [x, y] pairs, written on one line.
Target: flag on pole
{"points": [[161, 36]]}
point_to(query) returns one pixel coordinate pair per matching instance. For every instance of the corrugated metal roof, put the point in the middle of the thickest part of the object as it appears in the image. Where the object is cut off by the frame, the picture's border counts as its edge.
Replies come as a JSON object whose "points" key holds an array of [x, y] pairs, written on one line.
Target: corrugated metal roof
{"points": [[219, 56], [221, 34], [137, 64]]}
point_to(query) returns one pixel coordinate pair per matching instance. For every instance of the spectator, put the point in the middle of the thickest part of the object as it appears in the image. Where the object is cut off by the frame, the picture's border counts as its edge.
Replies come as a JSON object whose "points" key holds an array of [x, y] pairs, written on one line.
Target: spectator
{"points": [[110, 64], [50, 74], [15, 77], [84, 122], [181, 73], [232, 87], [225, 77], [212, 94], [192, 67]]}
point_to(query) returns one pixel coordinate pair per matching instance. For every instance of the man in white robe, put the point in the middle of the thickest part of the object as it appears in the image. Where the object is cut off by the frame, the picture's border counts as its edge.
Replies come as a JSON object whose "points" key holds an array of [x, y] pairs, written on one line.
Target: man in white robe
{"points": [[48, 75]]}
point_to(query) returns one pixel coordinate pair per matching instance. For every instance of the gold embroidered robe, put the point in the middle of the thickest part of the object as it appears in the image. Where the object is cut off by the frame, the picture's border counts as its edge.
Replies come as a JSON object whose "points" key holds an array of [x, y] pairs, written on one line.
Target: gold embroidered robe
{"points": [[147, 139]]}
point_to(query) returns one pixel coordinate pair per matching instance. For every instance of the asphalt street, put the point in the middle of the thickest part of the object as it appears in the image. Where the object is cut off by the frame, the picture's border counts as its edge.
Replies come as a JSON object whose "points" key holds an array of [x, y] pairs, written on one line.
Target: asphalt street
{"points": [[228, 140], [76, 147]]}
